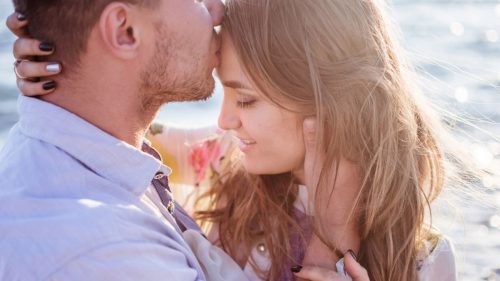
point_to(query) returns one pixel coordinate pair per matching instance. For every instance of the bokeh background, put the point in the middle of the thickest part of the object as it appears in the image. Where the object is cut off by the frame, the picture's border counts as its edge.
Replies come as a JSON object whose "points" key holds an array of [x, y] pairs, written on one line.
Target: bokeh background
{"points": [[455, 47]]}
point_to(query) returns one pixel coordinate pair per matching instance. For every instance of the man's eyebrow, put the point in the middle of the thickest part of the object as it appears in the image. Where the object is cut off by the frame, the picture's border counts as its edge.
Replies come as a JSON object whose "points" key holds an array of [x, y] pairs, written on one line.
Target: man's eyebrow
{"points": [[236, 85]]}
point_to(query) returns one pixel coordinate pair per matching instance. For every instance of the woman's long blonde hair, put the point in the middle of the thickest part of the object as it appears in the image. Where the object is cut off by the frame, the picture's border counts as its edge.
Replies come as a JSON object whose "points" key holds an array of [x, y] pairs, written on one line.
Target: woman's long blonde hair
{"points": [[335, 60]]}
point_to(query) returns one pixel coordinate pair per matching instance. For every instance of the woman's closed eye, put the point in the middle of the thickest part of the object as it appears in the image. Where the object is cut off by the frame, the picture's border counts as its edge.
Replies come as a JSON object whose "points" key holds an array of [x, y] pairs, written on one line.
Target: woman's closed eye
{"points": [[244, 100], [245, 103]]}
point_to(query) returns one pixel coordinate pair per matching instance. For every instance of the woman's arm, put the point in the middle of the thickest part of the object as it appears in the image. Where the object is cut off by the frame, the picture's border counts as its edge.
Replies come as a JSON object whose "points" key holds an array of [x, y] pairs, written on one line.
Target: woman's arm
{"points": [[196, 157], [176, 144], [338, 224]]}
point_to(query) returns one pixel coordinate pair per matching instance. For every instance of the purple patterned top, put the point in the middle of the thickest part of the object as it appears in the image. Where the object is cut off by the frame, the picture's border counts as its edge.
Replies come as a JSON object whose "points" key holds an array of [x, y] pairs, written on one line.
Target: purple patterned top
{"points": [[298, 248]]}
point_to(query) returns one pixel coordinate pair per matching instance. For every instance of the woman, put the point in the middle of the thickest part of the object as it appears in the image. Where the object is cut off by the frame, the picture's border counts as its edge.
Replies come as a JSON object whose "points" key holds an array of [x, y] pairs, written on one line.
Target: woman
{"points": [[381, 164]]}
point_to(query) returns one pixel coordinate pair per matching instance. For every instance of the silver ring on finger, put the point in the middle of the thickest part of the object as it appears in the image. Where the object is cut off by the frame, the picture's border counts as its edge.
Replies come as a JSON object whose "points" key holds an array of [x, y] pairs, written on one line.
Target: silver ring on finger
{"points": [[16, 64]]}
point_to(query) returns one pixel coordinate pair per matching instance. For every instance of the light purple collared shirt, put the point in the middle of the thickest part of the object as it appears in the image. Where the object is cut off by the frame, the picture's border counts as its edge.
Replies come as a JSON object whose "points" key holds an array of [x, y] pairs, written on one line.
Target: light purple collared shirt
{"points": [[71, 208]]}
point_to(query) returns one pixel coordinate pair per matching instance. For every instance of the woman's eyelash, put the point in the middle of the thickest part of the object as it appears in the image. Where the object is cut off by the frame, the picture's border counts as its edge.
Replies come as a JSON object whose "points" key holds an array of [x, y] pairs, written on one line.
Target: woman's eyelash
{"points": [[245, 104]]}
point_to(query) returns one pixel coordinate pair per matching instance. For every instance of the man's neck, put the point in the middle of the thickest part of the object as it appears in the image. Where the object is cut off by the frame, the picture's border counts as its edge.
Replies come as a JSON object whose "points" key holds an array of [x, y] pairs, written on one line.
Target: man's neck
{"points": [[112, 107]]}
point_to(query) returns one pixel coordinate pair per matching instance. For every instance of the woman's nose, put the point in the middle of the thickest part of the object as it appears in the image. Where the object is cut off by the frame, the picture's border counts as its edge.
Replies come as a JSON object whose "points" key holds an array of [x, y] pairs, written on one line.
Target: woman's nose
{"points": [[228, 116]]}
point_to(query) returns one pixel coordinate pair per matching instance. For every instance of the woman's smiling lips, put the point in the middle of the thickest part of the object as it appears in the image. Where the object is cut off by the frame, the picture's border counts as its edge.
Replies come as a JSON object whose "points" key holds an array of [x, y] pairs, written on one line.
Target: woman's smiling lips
{"points": [[246, 145]]}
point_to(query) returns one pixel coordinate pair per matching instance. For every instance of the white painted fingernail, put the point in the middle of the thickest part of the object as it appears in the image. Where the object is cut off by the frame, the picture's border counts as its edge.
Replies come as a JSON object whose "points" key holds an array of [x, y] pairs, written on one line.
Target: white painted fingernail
{"points": [[54, 67]]}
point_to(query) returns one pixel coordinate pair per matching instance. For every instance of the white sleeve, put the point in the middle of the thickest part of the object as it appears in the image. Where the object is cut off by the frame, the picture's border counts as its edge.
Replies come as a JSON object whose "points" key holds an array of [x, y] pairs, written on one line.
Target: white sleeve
{"points": [[128, 261], [440, 264]]}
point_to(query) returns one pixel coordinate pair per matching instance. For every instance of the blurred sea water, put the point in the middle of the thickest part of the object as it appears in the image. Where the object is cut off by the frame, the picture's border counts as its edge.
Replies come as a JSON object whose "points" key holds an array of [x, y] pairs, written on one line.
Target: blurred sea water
{"points": [[455, 48]]}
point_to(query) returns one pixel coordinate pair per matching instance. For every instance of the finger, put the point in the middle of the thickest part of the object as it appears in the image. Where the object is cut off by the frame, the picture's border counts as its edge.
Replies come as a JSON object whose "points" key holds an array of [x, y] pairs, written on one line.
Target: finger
{"points": [[31, 69], [30, 89], [315, 273], [27, 47], [354, 269], [17, 23]]}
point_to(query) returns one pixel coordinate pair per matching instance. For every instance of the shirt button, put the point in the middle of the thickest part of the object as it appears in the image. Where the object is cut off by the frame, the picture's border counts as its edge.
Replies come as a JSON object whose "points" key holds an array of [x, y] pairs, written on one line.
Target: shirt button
{"points": [[261, 248], [171, 207], [159, 175]]}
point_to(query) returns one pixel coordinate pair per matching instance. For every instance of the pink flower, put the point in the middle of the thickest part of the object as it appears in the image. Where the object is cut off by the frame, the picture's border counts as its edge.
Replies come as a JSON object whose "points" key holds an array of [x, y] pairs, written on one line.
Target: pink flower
{"points": [[202, 156]]}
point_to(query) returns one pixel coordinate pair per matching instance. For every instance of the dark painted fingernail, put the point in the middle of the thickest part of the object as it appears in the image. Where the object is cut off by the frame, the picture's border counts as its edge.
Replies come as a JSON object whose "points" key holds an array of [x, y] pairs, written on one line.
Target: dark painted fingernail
{"points": [[46, 47], [49, 85], [21, 17], [351, 252], [296, 268]]}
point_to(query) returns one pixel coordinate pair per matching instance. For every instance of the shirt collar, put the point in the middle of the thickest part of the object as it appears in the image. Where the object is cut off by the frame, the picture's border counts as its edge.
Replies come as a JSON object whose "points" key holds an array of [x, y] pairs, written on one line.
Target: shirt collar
{"points": [[106, 155]]}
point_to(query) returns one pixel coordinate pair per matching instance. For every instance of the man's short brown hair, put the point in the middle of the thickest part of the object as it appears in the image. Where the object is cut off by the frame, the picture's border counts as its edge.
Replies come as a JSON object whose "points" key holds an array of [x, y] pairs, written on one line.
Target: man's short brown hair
{"points": [[66, 23]]}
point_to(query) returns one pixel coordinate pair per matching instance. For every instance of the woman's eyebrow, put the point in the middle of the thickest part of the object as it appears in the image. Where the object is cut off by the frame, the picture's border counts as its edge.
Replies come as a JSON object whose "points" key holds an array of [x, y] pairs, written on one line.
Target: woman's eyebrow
{"points": [[236, 85]]}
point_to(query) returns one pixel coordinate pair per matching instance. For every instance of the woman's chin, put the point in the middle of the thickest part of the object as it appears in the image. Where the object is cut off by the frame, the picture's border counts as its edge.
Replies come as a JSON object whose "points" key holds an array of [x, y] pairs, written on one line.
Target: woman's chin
{"points": [[259, 169]]}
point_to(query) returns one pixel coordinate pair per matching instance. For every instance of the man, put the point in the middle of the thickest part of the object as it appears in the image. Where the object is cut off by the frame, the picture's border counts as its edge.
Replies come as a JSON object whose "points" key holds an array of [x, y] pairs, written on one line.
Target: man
{"points": [[82, 196]]}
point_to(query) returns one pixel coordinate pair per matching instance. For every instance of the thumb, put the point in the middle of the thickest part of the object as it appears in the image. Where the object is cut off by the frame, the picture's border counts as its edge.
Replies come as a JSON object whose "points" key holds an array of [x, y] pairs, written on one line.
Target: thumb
{"points": [[354, 269]]}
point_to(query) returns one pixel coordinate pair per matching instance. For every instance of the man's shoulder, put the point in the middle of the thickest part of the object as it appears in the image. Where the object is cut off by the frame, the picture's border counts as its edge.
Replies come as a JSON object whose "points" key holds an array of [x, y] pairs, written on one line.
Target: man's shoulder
{"points": [[31, 153], [26, 161]]}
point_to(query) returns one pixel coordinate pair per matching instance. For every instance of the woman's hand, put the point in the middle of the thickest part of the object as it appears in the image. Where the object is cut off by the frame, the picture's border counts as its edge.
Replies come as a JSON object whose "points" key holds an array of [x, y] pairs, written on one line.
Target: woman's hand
{"points": [[33, 78], [335, 189], [314, 273]]}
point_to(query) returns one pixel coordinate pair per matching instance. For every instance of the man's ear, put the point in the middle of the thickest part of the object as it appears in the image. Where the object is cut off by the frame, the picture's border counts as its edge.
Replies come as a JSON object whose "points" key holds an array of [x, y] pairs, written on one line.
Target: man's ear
{"points": [[119, 30]]}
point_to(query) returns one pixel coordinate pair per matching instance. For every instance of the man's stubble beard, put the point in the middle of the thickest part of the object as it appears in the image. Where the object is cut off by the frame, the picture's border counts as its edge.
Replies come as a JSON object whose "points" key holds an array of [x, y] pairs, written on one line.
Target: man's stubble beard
{"points": [[166, 78]]}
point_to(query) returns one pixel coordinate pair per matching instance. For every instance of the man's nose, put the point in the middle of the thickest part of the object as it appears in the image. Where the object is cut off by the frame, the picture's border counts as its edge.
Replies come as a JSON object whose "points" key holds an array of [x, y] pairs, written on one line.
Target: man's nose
{"points": [[216, 9]]}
